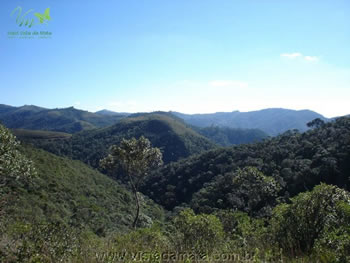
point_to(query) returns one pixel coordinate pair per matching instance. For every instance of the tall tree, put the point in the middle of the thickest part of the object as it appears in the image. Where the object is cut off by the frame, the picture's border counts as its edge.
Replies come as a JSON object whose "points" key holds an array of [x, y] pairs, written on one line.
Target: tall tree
{"points": [[317, 123], [136, 158]]}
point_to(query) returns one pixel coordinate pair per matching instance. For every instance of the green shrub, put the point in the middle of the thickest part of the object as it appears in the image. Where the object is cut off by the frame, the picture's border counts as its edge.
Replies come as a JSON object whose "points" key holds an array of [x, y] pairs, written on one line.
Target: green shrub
{"points": [[199, 233], [311, 218]]}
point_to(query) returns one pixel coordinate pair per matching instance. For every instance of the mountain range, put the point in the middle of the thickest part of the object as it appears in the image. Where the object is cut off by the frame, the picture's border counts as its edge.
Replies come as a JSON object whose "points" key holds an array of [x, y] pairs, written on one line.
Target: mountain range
{"points": [[272, 121]]}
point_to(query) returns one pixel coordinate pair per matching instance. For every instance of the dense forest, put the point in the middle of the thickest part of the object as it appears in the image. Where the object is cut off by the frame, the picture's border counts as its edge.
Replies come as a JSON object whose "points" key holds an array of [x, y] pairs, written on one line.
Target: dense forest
{"points": [[296, 161], [282, 199]]}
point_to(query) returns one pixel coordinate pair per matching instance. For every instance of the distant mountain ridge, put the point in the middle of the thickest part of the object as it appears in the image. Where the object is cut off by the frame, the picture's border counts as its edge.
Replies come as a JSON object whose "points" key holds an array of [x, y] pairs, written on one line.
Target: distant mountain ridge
{"points": [[272, 121], [111, 113], [69, 120]]}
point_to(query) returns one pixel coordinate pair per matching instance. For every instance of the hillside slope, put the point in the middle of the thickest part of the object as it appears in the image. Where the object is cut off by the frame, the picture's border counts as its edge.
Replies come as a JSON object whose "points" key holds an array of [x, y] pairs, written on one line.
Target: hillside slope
{"points": [[69, 120], [271, 121], [28, 135], [70, 193]]}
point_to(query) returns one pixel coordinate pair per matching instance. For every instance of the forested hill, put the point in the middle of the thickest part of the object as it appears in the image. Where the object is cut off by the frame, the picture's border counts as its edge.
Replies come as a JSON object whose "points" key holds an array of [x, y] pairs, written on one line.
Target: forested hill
{"points": [[175, 139], [295, 161], [69, 120], [272, 121], [226, 136]]}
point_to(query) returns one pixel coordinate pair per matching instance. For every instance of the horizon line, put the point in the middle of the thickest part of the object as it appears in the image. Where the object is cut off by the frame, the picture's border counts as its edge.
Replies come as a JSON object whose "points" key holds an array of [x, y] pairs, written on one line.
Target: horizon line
{"points": [[170, 111]]}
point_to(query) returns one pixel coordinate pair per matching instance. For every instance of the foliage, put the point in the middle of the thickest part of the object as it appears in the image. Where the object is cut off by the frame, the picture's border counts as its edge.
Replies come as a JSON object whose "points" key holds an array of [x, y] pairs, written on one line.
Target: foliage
{"points": [[141, 245], [39, 243], [201, 233], [15, 168], [334, 245], [315, 123], [12, 163], [254, 189], [247, 236], [246, 190], [136, 158], [189, 237]]}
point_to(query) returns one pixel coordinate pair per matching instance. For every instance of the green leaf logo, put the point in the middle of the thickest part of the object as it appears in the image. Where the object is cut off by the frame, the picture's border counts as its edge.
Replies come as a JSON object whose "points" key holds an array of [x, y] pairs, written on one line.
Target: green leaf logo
{"points": [[43, 17]]}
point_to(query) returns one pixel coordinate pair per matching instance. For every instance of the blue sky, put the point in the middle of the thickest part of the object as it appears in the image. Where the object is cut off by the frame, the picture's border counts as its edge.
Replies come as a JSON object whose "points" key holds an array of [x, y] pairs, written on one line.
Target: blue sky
{"points": [[192, 56]]}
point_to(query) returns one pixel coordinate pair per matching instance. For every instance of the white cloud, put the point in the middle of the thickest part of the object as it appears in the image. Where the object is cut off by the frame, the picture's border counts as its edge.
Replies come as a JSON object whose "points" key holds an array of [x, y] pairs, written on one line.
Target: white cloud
{"points": [[291, 55], [310, 58], [228, 84], [300, 55]]}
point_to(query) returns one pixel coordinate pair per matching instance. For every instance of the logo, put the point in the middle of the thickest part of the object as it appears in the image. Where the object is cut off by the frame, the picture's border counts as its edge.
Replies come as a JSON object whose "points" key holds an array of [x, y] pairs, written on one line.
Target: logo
{"points": [[43, 17], [28, 20]]}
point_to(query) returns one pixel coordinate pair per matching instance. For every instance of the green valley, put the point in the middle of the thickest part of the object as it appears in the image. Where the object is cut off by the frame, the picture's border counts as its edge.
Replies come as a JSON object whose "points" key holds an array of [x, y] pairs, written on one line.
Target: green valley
{"points": [[242, 202]]}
